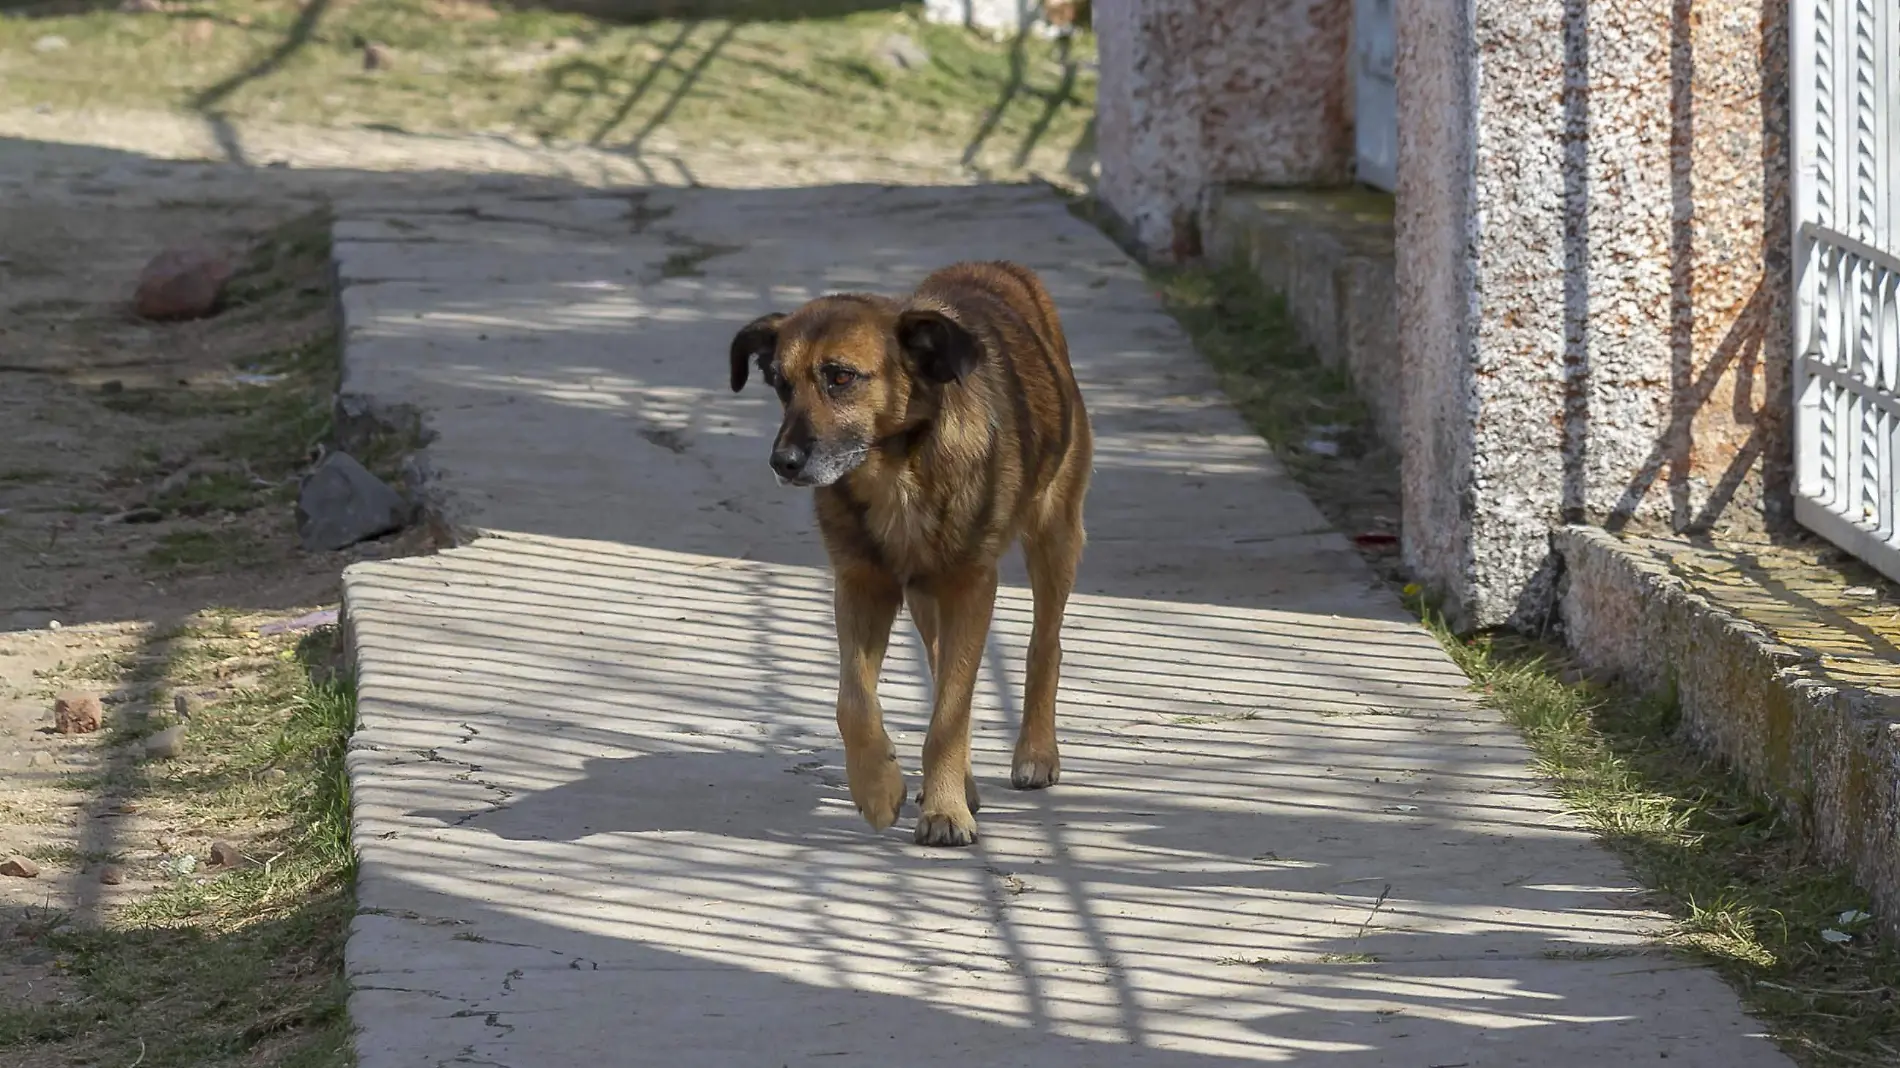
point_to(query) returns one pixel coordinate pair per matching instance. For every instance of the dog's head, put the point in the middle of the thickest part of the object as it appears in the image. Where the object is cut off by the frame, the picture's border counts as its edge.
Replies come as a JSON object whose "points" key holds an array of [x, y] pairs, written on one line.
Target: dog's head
{"points": [[851, 372]]}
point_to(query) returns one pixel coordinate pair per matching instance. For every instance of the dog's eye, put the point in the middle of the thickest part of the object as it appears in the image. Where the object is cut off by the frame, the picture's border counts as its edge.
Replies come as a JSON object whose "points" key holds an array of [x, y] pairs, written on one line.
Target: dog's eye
{"points": [[839, 377]]}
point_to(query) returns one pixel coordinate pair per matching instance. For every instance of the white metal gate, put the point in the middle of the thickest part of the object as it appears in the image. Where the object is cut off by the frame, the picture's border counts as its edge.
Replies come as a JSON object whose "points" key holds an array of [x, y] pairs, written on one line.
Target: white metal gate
{"points": [[1375, 94], [1845, 70]]}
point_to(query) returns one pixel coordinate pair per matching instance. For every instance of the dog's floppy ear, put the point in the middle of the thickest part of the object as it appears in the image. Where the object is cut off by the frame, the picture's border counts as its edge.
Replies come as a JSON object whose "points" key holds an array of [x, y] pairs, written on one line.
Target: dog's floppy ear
{"points": [[938, 346], [756, 342]]}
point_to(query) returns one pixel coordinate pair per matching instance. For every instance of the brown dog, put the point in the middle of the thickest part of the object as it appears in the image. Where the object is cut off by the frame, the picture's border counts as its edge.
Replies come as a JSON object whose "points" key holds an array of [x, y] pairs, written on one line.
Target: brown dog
{"points": [[936, 430]]}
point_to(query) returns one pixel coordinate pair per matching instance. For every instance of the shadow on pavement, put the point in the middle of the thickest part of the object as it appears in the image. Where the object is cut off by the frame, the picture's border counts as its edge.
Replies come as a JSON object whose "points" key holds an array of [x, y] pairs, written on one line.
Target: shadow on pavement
{"points": [[598, 795]]}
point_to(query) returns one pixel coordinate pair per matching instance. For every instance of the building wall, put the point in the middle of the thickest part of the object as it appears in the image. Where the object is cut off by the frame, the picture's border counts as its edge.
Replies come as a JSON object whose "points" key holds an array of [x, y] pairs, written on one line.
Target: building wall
{"points": [[1594, 287], [1194, 93]]}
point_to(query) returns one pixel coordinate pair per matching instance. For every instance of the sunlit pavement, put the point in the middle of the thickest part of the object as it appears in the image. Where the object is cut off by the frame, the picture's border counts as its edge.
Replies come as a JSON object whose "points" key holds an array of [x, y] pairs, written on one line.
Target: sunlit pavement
{"points": [[600, 799]]}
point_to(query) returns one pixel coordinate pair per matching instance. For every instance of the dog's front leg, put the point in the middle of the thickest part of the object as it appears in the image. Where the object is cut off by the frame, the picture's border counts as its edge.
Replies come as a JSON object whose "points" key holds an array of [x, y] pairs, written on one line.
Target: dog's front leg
{"points": [[865, 604], [964, 602]]}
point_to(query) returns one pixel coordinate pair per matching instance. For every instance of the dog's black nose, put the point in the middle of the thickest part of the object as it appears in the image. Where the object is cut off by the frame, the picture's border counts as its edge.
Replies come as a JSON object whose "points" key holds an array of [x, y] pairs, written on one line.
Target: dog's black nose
{"points": [[788, 460]]}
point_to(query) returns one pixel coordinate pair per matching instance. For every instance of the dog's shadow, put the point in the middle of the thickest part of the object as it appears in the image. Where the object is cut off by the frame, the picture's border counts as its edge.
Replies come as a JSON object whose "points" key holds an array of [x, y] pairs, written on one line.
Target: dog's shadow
{"points": [[747, 794]]}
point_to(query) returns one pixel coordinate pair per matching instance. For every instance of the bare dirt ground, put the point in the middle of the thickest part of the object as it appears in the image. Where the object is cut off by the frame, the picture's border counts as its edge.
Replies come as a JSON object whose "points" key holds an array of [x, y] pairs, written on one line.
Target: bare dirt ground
{"points": [[147, 545]]}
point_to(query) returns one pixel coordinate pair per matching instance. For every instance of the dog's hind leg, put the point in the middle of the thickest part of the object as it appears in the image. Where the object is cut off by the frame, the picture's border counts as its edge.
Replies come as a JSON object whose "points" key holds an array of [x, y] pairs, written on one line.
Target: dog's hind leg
{"points": [[923, 613], [1052, 551], [964, 602], [866, 603]]}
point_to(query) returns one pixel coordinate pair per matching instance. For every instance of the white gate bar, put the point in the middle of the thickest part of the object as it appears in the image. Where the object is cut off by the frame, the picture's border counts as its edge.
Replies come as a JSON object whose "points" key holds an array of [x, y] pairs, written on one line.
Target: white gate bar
{"points": [[1845, 101]]}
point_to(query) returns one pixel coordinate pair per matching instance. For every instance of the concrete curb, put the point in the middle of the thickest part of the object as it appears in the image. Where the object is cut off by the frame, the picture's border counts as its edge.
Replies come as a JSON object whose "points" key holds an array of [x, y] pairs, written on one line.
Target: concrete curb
{"points": [[1329, 254], [1828, 755], [358, 417]]}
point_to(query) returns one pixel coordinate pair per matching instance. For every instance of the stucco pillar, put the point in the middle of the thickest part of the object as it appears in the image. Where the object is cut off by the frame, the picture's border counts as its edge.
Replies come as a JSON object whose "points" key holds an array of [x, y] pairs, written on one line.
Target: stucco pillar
{"points": [[1593, 279], [1194, 93]]}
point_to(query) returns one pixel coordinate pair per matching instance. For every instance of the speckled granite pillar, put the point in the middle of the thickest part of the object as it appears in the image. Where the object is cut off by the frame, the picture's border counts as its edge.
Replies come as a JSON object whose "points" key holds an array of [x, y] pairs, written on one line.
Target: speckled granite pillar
{"points": [[1593, 280], [1199, 92]]}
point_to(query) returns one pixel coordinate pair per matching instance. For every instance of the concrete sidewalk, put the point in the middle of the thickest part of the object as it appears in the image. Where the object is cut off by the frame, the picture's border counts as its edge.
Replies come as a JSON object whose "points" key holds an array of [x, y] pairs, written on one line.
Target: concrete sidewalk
{"points": [[600, 799]]}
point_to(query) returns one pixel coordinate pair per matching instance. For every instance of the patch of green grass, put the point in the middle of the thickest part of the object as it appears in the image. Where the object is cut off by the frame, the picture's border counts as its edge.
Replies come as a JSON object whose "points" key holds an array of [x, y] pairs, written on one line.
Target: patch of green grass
{"points": [[21, 476], [195, 550], [1273, 377], [1737, 877], [782, 71], [229, 968], [274, 411], [68, 856], [213, 491]]}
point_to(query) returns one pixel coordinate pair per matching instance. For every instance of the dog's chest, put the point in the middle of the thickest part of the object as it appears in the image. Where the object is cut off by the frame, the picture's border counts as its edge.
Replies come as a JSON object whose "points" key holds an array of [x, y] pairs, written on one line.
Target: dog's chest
{"points": [[906, 530]]}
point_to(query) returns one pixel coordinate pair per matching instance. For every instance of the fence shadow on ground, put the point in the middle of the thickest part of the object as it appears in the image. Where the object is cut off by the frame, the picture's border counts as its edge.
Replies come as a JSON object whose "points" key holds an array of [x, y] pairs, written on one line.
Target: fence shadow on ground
{"points": [[599, 803]]}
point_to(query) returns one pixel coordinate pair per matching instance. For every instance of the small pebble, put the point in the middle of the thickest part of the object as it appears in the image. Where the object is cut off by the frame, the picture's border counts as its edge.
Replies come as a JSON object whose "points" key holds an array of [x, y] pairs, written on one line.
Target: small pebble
{"points": [[276, 775], [225, 855], [111, 875], [19, 868]]}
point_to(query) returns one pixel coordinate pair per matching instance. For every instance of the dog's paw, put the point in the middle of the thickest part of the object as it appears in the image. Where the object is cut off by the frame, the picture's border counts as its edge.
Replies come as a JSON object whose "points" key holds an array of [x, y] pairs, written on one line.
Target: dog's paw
{"points": [[944, 827], [1035, 768], [877, 788]]}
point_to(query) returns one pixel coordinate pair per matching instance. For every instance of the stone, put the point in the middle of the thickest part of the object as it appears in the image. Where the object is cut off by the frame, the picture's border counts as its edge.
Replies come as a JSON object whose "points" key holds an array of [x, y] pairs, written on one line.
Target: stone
{"points": [[166, 744], [275, 775], [377, 57], [77, 712], [52, 42], [902, 52], [185, 282], [19, 868], [111, 875], [225, 855], [341, 503]]}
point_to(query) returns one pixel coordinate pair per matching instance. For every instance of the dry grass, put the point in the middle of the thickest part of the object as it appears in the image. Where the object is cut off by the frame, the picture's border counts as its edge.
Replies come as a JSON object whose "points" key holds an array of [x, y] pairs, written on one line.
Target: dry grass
{"points": [[227, 966]]}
